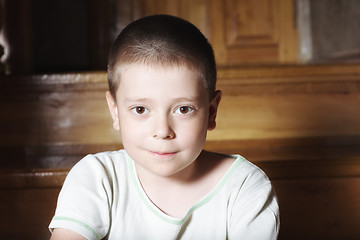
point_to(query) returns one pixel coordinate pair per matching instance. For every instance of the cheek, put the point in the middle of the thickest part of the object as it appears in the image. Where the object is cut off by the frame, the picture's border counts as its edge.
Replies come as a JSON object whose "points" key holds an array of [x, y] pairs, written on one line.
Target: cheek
{"points": [[130, 130], [194, 132]]}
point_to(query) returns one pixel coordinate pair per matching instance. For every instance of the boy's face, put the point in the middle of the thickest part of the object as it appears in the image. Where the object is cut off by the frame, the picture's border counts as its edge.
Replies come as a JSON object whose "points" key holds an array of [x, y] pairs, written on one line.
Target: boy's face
{"points": [[163, 114]]}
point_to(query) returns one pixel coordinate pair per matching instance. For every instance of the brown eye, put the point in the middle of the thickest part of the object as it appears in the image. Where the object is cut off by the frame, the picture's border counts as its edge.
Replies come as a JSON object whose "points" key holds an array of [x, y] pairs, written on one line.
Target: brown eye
{"points": [[184, 110], [139, 110]]}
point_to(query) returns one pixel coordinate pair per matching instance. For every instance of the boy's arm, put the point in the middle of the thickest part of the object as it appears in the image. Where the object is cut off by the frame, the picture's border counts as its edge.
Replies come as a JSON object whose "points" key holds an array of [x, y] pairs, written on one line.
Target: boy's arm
{"points": [[64, 234]]}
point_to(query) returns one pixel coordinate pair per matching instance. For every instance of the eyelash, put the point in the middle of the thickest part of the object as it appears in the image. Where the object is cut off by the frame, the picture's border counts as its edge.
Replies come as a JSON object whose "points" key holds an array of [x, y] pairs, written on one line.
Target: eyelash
{"points": [[139, 110], [182, 110]]}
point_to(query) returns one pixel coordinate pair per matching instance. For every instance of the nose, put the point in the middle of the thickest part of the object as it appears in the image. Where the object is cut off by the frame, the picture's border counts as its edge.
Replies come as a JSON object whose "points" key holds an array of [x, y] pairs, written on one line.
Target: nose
{"points": [[163, 128]]}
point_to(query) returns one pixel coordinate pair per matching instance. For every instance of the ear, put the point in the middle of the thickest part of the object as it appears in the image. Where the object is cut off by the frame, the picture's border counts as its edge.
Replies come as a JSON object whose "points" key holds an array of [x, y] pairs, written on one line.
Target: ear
{"points": [[213, 108], [113, 110]]}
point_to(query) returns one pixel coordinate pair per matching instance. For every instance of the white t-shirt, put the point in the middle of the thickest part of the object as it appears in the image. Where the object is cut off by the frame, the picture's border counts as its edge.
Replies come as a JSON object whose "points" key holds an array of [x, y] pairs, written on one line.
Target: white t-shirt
{"points": [[103, 198]]}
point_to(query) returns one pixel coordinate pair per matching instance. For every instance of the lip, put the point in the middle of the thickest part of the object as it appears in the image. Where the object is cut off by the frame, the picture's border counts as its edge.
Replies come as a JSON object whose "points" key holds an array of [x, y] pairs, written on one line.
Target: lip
{"points": [[163, 154]]}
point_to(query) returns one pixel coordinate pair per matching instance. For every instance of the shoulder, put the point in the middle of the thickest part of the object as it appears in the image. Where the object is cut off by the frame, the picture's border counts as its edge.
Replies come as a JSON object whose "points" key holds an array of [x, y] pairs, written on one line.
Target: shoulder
{"points": [[104, 157], [102, 160], [233, 168], [89, 192], [246, 170], [99, 167], [234, 173], [246, 180]]}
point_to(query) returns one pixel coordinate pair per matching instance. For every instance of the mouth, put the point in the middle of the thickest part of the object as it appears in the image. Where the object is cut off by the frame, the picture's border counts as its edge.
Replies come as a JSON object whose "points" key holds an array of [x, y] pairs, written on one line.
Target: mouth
{"points": [[163, 154]]}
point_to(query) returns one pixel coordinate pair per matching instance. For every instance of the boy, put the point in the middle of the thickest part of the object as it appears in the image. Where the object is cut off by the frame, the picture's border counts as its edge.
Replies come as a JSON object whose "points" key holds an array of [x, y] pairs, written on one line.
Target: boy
{"points": [[162, 100]]}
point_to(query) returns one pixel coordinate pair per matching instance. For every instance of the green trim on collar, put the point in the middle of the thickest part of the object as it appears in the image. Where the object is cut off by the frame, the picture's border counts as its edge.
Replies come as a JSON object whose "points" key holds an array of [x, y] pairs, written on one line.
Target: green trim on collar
{"points": [[197, 205]]}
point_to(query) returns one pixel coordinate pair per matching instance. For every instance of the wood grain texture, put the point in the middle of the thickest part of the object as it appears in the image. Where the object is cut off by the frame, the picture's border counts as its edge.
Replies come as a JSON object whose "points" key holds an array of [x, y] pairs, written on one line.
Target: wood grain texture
{"points": [[26, 213], [319, 208], [249, 32], [250, 23], [300, 124], [241, 32]]}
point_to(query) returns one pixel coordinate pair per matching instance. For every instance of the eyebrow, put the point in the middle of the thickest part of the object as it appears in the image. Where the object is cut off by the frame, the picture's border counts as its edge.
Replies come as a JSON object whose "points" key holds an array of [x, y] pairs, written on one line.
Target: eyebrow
{"points": [[130, 99], [195, 99]]}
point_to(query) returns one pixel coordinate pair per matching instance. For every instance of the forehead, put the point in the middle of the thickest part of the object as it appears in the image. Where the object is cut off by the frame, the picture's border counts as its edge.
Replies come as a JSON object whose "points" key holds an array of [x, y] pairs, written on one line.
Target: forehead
{"points": [[146, 79]]}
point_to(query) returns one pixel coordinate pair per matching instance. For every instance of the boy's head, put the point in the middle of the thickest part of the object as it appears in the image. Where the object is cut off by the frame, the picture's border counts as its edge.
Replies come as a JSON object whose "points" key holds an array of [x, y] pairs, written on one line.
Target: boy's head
{"points": [[166, 41], [162, 75]]}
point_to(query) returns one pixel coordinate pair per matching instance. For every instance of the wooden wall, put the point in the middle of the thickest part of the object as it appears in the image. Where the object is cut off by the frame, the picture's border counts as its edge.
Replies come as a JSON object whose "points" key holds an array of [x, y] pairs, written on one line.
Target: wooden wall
{"points": [[241, 32], [299, 123]]}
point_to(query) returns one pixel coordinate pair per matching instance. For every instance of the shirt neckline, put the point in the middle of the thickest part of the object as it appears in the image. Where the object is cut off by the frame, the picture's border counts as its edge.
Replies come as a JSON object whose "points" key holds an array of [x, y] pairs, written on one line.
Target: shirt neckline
{"points": [[173, 220]]}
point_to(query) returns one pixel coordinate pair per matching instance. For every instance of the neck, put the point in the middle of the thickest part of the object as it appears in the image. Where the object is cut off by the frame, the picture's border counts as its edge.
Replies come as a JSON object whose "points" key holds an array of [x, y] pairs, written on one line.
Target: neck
{"points": [[175, 194], [181, 177]]}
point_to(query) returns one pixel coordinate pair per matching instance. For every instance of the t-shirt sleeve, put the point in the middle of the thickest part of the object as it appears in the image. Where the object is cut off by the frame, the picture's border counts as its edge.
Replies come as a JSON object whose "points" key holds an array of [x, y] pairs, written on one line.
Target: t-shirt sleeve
{"points": [[255, 211], [84, 200]]}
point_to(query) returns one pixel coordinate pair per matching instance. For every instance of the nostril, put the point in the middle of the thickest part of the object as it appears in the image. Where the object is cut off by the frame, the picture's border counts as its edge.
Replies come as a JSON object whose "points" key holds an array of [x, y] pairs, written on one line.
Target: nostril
{"points": [[163, 128], [168, 135]]}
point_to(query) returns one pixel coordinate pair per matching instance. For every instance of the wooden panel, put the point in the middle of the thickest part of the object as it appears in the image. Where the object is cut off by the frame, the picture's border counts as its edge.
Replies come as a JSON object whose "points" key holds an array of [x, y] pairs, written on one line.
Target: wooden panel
{"points": [[293, 158], [250, 23], [26, 213], [74, 109], [319, 208], [38, 179], [287, 116], [195, 11], [260, 31], [288, 102], [151, 7], [241, 32]]}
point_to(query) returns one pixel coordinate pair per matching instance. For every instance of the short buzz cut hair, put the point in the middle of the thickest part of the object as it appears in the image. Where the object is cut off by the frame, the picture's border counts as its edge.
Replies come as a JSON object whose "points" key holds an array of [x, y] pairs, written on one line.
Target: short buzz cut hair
{"points": [[166, 41]]}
